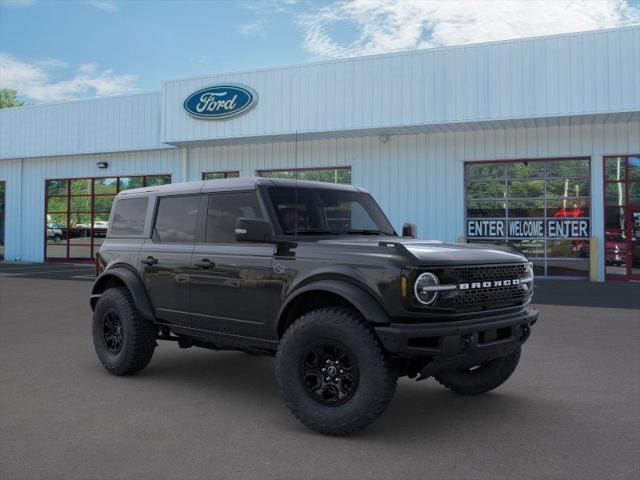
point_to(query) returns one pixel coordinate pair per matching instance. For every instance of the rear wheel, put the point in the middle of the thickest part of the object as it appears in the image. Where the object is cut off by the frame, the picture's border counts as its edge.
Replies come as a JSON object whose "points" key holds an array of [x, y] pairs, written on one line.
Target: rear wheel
{"points": [[480, 378], [332, 373], [123, 340]]}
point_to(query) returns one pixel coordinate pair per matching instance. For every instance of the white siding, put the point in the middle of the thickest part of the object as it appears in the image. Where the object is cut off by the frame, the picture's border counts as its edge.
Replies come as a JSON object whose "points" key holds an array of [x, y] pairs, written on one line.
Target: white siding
{"points": [[90, 126], [416, 178], [25, 196], [548, 77]]}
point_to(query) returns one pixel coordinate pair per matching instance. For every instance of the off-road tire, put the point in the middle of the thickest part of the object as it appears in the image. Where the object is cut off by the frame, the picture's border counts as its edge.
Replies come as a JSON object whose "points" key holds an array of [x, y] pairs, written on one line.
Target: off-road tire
{"points": [[138, 334], [483, 379], [377, 374]]}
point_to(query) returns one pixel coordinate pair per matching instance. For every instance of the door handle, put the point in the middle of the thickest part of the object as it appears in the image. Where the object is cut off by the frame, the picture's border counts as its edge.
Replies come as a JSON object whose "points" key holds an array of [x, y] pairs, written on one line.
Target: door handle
{"points": [[149, 261], [205, 263]]}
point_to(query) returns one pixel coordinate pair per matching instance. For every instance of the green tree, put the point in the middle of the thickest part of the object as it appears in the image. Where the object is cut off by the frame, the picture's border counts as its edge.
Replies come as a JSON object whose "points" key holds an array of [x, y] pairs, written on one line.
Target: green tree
{"points": [[8, 98]]}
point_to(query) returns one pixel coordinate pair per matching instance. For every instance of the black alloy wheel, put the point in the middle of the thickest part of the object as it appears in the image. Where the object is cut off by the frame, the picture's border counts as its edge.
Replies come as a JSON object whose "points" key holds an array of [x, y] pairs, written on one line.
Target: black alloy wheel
{"points": [[330, 373], [113, 334]]}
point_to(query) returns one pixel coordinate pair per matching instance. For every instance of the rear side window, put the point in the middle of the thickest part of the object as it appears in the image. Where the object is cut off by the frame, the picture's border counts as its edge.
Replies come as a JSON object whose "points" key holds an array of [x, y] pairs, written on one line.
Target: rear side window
{"points": [[176, 219], [224, 210], [129, 215]]}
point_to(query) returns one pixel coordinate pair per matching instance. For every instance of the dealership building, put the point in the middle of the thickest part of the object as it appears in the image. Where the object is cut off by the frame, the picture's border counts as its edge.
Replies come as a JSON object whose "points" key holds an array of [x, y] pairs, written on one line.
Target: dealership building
{"points": [[532, 142]]}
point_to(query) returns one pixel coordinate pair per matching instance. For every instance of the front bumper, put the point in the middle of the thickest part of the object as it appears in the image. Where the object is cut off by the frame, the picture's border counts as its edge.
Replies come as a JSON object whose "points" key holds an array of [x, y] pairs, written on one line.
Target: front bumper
{"points": [[450, 345]]}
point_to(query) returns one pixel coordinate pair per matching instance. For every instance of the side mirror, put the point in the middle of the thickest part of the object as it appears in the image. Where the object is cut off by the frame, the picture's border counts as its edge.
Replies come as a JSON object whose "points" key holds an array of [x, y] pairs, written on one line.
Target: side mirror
{"points": [[254, 230], [409, 230]]}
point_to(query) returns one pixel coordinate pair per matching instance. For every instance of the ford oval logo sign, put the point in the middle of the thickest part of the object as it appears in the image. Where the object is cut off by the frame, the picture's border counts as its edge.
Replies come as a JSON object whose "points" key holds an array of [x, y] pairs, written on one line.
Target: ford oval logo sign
{"points": [[220, 101]]}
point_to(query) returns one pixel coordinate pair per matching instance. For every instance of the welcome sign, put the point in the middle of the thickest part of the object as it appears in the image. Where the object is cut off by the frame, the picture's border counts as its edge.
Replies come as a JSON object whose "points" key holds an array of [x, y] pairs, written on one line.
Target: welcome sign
{"points": [[528, 228], [219, 102]]}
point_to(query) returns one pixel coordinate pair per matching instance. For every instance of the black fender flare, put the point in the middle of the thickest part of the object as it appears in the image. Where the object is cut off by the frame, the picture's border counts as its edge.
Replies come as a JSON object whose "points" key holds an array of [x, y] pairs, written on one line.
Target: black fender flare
{"points": [[357, 296], [133, 282]]}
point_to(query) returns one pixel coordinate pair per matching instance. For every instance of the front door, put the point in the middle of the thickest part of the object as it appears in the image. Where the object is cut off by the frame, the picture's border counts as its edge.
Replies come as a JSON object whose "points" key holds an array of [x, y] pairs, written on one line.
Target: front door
{"points": [[231, 283]]}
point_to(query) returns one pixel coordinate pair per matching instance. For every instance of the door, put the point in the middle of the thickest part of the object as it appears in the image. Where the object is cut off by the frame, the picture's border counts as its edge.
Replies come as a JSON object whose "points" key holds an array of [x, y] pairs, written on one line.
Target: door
{"points": [[165, 259], [231, 283], [634, 243]]}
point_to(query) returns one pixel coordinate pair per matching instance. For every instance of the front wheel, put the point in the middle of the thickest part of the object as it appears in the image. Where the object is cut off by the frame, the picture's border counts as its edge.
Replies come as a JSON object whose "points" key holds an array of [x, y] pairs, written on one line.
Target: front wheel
{"points": [[123, 340], [480, 378], [332, 373]]}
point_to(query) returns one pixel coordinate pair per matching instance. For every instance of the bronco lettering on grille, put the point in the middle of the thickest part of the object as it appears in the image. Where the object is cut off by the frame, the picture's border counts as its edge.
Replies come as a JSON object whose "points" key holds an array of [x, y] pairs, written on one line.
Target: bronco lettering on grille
{"points": [[488, 284]]}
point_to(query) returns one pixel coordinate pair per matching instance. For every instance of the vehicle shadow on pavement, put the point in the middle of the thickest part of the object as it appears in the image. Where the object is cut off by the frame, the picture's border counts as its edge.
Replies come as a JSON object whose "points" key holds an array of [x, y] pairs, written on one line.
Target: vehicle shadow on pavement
{"points": [[418, 410]]}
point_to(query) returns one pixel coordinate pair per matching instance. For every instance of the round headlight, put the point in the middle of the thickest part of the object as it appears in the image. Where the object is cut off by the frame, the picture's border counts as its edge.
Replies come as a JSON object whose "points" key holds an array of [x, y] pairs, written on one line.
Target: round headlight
{"points": [[423, 290]]}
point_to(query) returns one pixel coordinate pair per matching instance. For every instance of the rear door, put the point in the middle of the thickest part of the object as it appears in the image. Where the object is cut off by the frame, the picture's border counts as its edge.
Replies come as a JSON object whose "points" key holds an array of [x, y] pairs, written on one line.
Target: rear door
{"points": [[166, 257], [231, 282]]}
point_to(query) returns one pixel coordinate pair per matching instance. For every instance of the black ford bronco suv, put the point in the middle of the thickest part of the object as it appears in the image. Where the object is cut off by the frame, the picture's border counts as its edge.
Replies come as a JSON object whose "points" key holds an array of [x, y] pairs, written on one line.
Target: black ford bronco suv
{"points": [[315, 275]]}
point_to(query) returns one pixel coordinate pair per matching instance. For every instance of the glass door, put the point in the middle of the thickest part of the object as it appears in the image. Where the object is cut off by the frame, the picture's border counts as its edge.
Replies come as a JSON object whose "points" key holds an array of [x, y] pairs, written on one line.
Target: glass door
{"points": [[622, 217], [634, 240]]}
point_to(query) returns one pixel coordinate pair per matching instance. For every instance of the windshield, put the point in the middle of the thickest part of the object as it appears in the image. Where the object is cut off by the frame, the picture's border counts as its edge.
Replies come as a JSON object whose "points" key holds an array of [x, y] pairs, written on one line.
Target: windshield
{"points": [[317, 211]]}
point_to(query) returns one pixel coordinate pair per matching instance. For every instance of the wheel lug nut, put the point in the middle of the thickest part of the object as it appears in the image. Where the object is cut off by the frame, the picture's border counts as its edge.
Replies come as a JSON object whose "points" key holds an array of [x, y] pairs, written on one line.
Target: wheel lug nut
{"points": [[324, 369], [328, 379], [341, 371]]}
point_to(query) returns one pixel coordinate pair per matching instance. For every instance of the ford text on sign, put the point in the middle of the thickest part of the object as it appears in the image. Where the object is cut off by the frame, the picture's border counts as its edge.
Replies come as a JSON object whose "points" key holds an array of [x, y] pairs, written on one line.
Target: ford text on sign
{"points": [[220, 101], [534, 228]]}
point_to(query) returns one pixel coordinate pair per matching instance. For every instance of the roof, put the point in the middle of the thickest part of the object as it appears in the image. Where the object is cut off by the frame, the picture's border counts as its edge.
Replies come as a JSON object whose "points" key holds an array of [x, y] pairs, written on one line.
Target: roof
{"points": [[234, 184]]}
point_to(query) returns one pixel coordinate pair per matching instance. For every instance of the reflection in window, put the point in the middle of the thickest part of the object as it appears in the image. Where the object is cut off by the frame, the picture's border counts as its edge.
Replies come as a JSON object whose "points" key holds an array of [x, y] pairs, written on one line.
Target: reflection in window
{"points": [[219, 175], [176, 219], [486, 209], [525, 188], [526, 169], [614, 193], [569, 208], [224, 211], [329, 175], [489, 189], [568, 188], [526, 208], [615, 168], [535, 192], [633, 167], [485, 171]]}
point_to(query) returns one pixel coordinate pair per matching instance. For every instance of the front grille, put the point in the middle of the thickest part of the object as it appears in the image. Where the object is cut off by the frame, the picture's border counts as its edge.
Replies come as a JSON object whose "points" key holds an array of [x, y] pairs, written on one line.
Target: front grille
{"points": [[490, 295], [483, 298], [479, 273]]}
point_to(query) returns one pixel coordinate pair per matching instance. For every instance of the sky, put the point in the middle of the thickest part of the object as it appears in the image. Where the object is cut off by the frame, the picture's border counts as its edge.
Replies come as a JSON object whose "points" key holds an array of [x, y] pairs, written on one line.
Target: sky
{"points": [[59, 50]]}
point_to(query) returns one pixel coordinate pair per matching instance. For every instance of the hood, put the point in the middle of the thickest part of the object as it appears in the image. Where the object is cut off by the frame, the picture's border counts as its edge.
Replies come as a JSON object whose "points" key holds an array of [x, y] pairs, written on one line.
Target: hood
{"points": [[436, 253]]}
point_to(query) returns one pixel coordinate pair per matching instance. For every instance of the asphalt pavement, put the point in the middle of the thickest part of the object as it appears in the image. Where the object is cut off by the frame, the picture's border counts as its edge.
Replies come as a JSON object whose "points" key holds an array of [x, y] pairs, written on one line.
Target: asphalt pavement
{"points": [[571, 410]]}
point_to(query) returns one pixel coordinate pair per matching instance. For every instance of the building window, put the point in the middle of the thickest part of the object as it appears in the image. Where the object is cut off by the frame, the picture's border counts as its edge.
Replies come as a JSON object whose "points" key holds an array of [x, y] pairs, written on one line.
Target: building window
{"points": [[539, 207], [219, 175], [622, 217], [329, 175], [77, 212], [2, 210]]}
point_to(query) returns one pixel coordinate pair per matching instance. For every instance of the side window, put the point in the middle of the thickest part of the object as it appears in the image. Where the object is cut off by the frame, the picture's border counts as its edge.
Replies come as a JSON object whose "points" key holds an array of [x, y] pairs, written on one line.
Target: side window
{"points": [[224, 211], [129, 215], [176, 219]]}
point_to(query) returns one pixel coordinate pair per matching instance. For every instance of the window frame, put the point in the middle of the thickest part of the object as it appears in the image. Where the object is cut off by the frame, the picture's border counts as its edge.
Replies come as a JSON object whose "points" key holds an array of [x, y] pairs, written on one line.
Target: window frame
{"points": [[545, 258], [92, 246]]}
